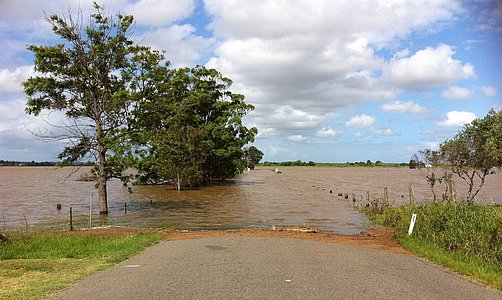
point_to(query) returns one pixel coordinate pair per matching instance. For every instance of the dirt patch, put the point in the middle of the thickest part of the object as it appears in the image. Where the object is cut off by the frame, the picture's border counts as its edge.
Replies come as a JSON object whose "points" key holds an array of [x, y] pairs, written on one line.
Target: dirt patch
{"points": [[375, 238]]}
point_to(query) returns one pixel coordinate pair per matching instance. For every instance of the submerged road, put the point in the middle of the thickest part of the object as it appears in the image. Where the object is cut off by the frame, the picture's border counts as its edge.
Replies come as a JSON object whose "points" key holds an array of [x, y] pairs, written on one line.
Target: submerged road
{"points": [[273, 268]]}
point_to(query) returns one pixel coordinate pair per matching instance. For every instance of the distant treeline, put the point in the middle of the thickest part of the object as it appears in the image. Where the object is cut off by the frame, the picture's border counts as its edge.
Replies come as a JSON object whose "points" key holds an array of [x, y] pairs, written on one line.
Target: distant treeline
{"points": [[288, 163], [37, 163], [368, 163]]}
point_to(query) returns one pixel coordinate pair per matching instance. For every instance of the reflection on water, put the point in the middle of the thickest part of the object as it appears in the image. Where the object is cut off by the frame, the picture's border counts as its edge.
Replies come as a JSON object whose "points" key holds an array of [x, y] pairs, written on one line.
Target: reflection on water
{"points": [[259, 198]]}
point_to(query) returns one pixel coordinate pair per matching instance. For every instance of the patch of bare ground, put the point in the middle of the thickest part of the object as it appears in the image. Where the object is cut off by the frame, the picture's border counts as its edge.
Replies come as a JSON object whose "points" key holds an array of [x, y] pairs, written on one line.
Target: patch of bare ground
{"points": [[375, 238], [379, 237]]}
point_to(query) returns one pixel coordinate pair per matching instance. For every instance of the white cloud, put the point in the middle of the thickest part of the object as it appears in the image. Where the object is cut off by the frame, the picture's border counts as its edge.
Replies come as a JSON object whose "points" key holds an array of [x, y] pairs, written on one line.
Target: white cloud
{"points": [[313, 56], [428, 67], [297, 138], [159, 12], [383, 131], [283, 119], [457, 119], [183, 47], [490, 16], [21, 134], [328, 132], [274, 151], [361, 121], [404, 107], [489, 91], [10, 81], [457, 93], [377, 21]]}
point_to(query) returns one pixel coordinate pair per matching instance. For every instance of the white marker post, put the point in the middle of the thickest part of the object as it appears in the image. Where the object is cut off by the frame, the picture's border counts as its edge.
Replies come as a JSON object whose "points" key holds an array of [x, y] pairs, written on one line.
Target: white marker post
{"points": [[412, 223]]}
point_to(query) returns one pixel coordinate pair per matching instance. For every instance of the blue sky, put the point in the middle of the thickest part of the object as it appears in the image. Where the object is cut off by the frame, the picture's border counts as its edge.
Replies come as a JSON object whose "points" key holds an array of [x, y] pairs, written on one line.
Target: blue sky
{"points": [[331, 81]]}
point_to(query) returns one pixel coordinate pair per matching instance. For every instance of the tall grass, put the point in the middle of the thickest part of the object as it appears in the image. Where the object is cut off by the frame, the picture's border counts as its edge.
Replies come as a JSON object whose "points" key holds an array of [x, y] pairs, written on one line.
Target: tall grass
{"points": [[467, 238], [35, 265], [55, 246]]}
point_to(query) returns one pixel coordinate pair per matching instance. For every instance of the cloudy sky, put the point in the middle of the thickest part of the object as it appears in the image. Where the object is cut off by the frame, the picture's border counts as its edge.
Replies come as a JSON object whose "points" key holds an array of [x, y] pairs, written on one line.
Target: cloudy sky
{"points": [[331, 81]]}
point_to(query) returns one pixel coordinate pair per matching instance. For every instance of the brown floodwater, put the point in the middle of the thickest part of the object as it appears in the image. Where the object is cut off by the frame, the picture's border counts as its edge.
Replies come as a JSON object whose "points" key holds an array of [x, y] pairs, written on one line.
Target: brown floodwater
{"points": [[260, 198]]}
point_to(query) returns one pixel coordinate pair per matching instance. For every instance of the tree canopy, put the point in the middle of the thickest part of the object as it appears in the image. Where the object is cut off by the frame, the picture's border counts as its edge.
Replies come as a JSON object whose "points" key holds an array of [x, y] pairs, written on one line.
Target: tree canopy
{"points": [[191, 132], [125, 107]]}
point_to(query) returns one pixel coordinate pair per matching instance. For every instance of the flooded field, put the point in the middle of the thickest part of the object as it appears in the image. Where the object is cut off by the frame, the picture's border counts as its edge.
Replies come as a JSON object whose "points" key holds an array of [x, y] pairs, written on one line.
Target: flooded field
{"points": [[260, 198]]}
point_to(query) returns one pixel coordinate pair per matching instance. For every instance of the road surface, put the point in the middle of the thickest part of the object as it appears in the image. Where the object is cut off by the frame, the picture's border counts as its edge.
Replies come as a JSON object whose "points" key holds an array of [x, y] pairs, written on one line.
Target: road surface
{"points": [[273, 268]]}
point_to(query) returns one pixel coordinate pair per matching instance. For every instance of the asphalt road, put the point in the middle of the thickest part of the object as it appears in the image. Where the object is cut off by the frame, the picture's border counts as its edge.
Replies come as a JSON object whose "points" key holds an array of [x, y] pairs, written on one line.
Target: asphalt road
{"points": [[273, 268]]}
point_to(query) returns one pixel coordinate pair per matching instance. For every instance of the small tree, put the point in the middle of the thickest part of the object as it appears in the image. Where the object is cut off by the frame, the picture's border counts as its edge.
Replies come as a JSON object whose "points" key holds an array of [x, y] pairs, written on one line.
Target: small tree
{"points": [[431, 160], [475, 150], [414, 162], [84, 77], [252, 156]]}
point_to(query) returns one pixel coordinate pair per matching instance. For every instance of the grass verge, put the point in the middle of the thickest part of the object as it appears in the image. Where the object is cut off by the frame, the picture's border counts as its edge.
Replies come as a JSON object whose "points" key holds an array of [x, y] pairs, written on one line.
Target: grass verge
{"points": [[463, 238], [34, 266]]}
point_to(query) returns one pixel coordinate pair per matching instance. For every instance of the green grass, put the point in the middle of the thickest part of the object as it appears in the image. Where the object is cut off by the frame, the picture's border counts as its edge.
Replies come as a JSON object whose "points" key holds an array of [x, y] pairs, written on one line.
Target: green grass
{"points": [[481, 271], [35, 266], [464, 238]]}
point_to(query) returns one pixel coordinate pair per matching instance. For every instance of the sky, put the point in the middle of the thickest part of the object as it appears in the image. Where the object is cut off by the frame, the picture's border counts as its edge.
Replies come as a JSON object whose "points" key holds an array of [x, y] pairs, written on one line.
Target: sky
{"points": [[331, 81]]}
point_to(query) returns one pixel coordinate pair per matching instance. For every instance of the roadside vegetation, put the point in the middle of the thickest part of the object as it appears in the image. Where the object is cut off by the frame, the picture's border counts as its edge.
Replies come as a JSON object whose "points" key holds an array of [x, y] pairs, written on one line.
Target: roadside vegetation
{"points": [[450, 229], [35, 265], [462, 237]]}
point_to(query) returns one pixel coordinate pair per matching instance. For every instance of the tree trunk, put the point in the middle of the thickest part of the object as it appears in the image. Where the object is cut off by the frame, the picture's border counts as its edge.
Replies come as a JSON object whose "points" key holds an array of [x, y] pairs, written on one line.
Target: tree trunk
{"points": [[103, 197], [482, 177], [434, 197], [102, 175], [178, 182]]}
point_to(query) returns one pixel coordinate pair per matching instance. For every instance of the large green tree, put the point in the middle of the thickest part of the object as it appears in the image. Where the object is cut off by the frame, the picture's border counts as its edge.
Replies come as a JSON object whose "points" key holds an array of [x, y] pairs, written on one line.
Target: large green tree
{"points": [[191, 132], [87, 76]]}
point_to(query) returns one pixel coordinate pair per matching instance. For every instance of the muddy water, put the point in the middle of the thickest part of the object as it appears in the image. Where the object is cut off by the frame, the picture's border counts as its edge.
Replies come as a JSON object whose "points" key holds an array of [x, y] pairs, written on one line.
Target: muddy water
{"points": [[260, 198]]}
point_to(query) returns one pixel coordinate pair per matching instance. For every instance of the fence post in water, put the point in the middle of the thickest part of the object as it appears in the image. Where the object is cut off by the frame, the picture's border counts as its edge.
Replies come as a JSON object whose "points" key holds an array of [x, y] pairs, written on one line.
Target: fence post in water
{"points": [[385, 197], [367, 197], [412, 194], [125, 207], [71, 219]]}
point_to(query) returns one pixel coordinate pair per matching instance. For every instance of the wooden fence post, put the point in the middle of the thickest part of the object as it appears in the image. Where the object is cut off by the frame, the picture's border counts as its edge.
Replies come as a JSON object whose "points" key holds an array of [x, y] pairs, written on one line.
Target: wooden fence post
{"points": [[451, 190], [385, 197], [71, 219], [412, 194]]}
